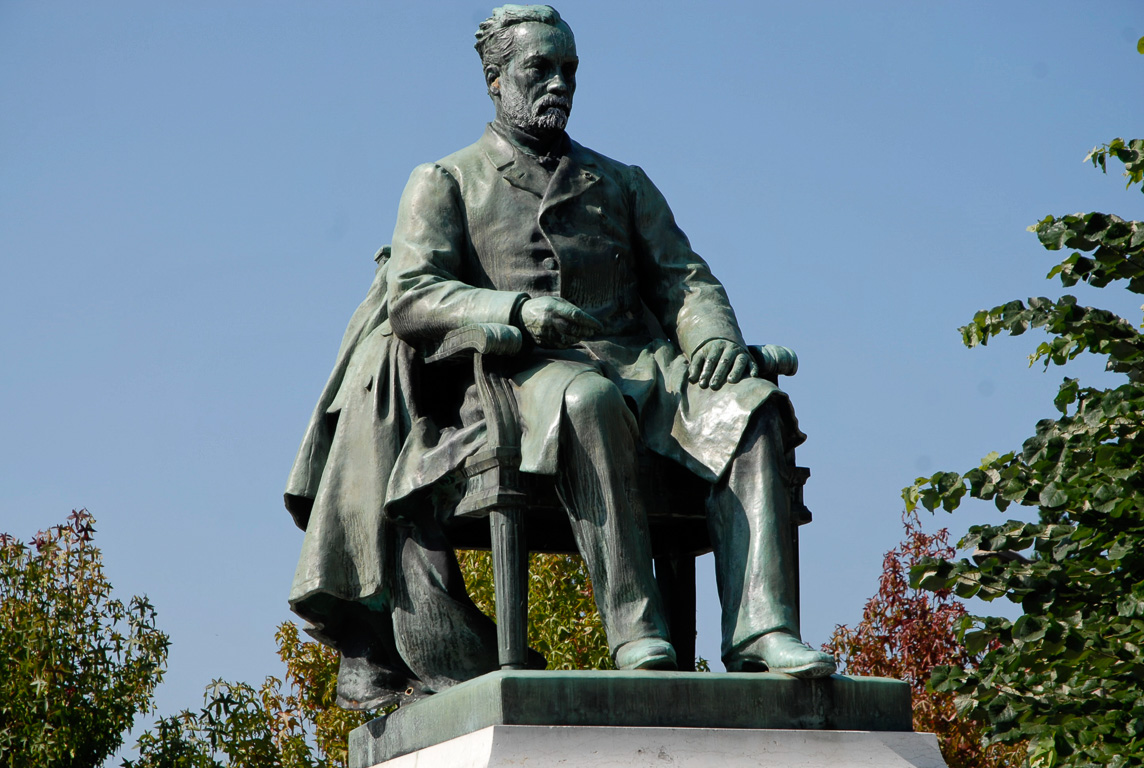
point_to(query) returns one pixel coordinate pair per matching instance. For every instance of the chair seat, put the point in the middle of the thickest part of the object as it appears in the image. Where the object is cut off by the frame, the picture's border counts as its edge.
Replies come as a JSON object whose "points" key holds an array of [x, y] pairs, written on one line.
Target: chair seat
{"points": [[675, 508], [547, 530]]}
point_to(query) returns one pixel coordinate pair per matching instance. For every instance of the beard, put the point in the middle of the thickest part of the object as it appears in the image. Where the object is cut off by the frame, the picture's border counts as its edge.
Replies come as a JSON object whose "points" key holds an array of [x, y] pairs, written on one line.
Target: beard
{"points": [[547, 116]]}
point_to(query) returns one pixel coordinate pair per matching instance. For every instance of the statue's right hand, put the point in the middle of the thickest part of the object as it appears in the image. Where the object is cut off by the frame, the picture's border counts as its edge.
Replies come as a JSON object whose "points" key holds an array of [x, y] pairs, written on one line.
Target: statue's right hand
{"points": [[555, 323]]}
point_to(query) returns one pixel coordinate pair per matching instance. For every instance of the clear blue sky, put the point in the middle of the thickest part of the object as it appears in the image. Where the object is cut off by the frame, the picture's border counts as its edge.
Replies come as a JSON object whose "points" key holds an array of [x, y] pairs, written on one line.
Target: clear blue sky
{"points": [[190, 196]]}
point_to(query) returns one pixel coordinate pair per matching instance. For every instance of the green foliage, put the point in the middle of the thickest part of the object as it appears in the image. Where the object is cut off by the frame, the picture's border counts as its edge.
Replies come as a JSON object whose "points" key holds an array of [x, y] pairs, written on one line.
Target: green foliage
{"points": [[563, 623], [269, 727], [1067, 675], [906, 633], [1130, 153], [312, 677], [76, 665], [297, 723]]}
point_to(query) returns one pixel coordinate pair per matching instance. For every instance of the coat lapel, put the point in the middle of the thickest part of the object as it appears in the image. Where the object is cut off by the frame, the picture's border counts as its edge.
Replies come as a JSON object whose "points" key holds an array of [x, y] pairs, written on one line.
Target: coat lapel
{"points": [[497, 149], [520, 174], [575, 175]]}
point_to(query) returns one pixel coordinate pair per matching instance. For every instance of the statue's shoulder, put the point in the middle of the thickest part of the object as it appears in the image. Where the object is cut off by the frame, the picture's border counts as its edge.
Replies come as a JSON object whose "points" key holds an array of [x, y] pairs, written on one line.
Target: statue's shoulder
{"points": [[588, 156], [628, 176], [464, 161], [450, 169], [482, 160], [442, 179]]}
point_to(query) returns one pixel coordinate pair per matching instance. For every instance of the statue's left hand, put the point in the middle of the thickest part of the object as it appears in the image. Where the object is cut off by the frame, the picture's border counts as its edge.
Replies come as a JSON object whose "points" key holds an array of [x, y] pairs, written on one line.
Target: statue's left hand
{"points": [[718, 361]]}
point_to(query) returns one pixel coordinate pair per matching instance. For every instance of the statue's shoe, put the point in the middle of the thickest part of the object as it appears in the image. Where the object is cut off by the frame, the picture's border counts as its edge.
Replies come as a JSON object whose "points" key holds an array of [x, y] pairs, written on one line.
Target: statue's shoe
{"points": [[783, 653], [648, 653], [365, 685]]}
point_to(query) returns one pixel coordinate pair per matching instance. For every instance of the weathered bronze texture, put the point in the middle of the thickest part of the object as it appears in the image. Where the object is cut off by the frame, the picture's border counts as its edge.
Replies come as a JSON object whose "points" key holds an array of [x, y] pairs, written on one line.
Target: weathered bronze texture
{"points": [[542, 325]]}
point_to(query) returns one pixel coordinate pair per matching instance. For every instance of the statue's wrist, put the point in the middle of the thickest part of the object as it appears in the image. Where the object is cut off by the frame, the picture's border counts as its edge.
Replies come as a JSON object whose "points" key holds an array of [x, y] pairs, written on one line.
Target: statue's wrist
{"points": [[517, 310]]}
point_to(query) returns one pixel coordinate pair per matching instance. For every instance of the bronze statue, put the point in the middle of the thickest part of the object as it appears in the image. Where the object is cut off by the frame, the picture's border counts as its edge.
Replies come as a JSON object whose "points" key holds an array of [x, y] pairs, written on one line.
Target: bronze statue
{"points": [[629, 343]]}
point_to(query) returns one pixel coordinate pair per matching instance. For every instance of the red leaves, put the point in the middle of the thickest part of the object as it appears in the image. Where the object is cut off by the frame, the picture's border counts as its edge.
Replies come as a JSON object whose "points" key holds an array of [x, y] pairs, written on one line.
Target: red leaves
{"points": [[906, 633]]}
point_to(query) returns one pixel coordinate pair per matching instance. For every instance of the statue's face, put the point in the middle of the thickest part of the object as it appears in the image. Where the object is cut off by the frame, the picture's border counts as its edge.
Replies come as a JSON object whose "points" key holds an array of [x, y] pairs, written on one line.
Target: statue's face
{"points": [[537, 83]]}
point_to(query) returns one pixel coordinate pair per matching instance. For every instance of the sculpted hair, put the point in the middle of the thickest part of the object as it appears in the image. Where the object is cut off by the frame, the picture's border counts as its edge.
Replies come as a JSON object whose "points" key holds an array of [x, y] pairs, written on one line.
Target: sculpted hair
{"points": [[494, 36]]}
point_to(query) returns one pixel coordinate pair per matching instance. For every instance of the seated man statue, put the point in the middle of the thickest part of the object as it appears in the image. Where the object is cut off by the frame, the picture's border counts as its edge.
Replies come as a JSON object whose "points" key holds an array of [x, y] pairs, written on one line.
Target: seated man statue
{"points": [[629, 340]]}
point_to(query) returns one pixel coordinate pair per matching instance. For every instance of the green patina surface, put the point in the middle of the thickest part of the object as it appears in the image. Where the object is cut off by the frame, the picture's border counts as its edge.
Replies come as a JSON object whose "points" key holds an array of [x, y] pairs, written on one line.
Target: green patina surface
{"points": [[635, 699]]}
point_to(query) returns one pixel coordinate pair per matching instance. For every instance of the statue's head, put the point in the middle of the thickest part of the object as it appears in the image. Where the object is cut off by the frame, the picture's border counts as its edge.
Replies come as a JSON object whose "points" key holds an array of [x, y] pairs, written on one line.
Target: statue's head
{"points": [[529, 58]]}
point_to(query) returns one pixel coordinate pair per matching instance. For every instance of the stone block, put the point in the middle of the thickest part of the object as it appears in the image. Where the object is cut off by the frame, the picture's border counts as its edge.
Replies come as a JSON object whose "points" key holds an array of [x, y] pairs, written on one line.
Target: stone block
{"points": [[513, 746], [644, 700]]}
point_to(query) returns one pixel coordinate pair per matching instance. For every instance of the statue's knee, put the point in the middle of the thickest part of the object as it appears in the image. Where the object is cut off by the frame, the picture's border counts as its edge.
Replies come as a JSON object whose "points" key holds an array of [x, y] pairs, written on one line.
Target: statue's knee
{"points": [[593, 397]]}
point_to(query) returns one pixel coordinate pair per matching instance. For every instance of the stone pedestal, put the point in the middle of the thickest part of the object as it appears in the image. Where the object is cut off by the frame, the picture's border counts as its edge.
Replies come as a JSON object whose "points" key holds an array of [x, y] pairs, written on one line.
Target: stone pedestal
{"points": [[537, 746], [645, 718]]}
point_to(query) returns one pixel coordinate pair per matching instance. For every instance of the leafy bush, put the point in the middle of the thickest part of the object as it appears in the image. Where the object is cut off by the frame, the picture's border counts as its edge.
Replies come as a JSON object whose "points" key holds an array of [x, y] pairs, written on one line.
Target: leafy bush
{"points": [[1067, 676], [270, 727], [76, 665], [297, 723]]}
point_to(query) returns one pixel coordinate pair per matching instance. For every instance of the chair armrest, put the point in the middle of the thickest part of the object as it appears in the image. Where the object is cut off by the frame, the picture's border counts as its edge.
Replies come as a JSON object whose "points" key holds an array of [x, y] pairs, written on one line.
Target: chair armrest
{"points": [[479, 338], [492, 474], [774, 360]]}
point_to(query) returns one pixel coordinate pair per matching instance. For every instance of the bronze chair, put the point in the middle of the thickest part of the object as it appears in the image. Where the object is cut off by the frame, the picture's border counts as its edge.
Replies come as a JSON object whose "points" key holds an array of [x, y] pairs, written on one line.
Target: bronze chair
{"points": [[496, 489]]}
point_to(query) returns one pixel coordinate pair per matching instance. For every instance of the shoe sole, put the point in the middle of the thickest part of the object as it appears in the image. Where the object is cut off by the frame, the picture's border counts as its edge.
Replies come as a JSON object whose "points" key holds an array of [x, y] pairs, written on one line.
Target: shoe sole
{"points": [[663, 662], [808, 671]]}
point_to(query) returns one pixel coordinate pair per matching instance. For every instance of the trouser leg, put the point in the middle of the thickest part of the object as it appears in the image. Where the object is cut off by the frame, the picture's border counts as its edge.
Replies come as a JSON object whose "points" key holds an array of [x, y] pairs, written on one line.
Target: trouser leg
{"points": [[598, 486], [748, 514], [440, 633], [423, 634]]}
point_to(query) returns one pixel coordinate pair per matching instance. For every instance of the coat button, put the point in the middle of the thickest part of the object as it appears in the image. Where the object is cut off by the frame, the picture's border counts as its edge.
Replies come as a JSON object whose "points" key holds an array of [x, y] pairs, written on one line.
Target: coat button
{"points": [[549, 263]]}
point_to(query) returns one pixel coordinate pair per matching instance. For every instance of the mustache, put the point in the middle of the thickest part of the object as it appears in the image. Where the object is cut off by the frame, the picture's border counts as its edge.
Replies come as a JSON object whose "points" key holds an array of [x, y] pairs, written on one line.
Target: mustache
{"points": [[557, 102]]}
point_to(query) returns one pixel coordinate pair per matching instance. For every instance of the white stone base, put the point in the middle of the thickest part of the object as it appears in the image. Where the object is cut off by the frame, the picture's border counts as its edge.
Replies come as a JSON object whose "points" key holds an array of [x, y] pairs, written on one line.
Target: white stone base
{"points": [[537, 746]]}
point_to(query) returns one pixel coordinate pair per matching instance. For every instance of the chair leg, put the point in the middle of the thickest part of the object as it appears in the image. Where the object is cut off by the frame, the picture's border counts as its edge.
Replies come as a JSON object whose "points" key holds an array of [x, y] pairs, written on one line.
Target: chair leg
{"points": [[510, 581], [797, 579], [675, 576]]}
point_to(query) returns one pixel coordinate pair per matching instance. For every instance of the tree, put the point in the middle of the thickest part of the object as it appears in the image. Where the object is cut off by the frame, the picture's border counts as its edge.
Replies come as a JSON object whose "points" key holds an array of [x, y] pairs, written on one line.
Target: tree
{"points": [[1067, 675], [296, 723], [76, 665], [905, 633], [291, 724]]}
